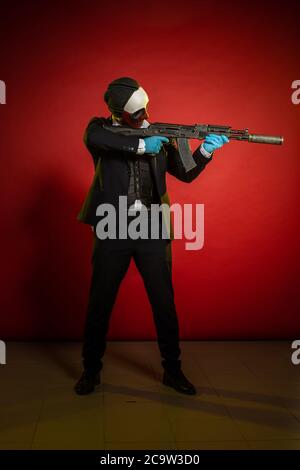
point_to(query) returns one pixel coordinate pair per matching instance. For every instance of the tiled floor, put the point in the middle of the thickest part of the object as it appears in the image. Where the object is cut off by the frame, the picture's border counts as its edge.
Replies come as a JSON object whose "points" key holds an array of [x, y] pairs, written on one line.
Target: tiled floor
{"points": [[248, 398]]}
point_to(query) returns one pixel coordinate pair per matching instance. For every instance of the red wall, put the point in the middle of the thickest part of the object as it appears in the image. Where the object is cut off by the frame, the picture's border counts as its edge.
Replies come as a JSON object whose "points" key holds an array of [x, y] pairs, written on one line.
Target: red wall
{"points": [[199, 62]]}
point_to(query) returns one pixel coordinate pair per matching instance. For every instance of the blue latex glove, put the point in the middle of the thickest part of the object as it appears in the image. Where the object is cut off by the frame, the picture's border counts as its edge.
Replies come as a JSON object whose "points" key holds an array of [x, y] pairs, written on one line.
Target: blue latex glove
{"points": [[214, 141], [153, 144]]}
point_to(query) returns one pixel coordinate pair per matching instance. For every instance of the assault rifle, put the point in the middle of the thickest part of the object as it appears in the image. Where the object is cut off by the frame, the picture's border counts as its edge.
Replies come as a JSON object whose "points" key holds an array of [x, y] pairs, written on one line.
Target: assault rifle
{"points": [[196, 131]]}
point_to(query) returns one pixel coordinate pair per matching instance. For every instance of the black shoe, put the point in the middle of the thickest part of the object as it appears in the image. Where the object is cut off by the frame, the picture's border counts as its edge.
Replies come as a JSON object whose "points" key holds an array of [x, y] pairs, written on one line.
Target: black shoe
{"points": [[87, 382], [179, 382]]}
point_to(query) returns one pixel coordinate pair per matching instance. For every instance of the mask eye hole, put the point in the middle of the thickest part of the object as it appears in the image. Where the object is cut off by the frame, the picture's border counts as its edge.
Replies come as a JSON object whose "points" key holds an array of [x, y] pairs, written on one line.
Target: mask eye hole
{"points": [[135, 116]]}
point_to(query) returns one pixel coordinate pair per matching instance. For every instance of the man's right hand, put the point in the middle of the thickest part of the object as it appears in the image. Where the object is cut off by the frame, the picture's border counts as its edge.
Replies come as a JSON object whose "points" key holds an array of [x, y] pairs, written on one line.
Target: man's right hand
{"points": [[154, 143]]}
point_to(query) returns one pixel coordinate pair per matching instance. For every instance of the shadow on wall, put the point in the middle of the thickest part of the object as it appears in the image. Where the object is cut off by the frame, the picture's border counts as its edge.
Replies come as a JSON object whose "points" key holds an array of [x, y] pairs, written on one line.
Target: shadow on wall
{"points": [[58, 270]]}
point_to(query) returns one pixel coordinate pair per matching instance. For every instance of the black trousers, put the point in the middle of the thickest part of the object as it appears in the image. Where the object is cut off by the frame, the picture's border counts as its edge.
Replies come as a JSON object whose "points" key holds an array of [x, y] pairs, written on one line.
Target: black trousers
{"points": [[110, 261]]}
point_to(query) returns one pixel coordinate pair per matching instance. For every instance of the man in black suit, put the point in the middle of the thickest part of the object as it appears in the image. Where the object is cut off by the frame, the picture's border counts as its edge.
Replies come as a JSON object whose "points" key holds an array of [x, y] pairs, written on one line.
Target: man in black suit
{"points": [[135, 168]]}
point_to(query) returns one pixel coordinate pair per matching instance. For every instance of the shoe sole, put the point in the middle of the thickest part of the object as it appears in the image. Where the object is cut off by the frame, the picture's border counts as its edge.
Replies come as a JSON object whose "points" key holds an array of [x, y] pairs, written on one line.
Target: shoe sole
{"points": [[187, 392], [97, 382]]}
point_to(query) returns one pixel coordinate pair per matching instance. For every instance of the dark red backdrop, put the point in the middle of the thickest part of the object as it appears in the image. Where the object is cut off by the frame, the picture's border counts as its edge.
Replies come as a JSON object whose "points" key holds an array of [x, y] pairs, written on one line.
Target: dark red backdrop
{"points": [[199, 62]]}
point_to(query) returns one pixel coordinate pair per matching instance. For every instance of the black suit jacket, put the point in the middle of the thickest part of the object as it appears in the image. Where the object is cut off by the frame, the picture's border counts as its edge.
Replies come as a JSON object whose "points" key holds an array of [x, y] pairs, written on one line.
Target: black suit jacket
{"points": [[111, 153]]}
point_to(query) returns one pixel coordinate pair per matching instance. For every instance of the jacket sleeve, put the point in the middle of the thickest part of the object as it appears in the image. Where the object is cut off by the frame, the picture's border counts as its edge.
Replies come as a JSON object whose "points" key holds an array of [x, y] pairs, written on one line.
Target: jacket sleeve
{"points": [[175, 166], [98, 138]]}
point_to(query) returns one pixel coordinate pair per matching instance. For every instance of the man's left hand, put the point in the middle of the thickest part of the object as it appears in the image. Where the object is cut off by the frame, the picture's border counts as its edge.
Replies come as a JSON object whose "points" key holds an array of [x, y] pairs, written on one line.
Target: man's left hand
{"points": [[214, 141]]}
